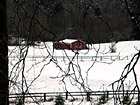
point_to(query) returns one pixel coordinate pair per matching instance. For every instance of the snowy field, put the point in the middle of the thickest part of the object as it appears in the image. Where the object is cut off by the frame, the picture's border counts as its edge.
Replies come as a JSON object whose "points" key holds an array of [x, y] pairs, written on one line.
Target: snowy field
{"points": [[40, 66]]}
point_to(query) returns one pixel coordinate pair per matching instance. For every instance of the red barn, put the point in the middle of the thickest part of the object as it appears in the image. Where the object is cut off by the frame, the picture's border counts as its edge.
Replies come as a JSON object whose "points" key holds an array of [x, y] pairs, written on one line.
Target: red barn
{"points": [[71, 44]]}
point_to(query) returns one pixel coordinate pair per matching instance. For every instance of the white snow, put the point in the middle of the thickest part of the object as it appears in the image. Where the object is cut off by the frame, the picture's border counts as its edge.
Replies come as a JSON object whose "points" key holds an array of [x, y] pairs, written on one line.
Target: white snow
{"points": [[68, 40], [100, 73]]}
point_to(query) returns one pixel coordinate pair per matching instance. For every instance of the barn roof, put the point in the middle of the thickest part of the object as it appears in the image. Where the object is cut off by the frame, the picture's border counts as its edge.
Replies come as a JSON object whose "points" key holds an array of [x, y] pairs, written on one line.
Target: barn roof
{"points": [[68, 41]]}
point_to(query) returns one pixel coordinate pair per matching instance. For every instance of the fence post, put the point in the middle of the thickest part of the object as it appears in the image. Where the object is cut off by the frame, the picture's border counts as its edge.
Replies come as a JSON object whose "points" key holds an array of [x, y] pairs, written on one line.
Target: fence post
{"points": [[101, 58], [92, 58], [88, 96], [23, 98], [33, 58], [44, 97], [111, 57], [81, 59], [63, 58], [107, 94], [119, 58], [127, 57], [14, 57], [66, 95]]}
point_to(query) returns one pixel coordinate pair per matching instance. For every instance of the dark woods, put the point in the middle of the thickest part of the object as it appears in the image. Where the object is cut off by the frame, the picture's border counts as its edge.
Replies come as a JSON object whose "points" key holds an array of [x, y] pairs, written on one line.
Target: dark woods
{"points": [[88, 20]]}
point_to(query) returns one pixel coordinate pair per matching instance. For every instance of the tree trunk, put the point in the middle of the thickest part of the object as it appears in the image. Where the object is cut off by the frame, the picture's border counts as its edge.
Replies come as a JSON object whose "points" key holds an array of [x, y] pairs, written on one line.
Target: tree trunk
{"points": [[4, 93]]}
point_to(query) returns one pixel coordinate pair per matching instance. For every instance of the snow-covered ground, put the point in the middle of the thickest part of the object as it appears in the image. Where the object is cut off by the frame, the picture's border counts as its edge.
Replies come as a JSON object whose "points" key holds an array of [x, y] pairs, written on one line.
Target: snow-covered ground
{"points": [[39, 63]]}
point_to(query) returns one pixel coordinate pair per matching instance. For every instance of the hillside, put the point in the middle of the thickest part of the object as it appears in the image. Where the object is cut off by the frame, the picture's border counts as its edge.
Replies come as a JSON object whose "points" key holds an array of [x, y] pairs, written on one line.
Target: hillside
{"points": [[101, 72]]}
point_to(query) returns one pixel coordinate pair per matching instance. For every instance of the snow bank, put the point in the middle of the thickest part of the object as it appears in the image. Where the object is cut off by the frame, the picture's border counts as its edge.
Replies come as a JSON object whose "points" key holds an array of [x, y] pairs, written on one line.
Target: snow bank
{"points": [[100, 73]]}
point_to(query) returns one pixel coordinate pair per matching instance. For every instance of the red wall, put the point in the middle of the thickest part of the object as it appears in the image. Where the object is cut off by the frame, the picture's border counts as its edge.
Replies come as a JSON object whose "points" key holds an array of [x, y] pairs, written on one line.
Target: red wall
{"points": [[64, 46], [78, 45]]}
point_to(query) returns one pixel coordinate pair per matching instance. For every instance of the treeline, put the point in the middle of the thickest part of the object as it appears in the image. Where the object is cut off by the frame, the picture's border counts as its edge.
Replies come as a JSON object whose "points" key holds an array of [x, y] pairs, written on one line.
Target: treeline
{"points": [[52, 20]]}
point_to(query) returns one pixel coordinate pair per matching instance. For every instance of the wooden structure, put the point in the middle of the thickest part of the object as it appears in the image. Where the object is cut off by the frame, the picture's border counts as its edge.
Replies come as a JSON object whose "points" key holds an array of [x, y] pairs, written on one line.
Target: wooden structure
{"points": [[70, 44], [70, 95]]}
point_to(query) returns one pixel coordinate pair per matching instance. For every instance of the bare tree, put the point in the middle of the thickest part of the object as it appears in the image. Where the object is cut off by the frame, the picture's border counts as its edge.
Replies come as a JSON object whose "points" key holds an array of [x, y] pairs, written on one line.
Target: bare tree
{"points": [[133, 11], [31, 19]]}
